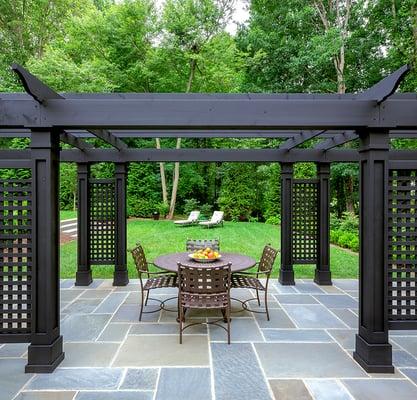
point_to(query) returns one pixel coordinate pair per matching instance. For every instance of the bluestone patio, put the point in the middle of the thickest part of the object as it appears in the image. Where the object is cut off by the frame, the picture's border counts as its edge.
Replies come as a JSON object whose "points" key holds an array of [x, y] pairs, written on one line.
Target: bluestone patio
{"points": [[303, 352]]}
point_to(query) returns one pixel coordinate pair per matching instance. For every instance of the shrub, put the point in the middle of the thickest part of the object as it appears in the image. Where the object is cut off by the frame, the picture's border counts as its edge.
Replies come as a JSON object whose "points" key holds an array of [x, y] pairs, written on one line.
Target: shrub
{"points": [[274, 220], [190, 205], [348, 240], [349, 222], [206, 210]]}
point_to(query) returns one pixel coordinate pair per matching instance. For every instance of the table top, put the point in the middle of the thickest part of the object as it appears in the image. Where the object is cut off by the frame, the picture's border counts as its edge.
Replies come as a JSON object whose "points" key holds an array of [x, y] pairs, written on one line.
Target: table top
{"points": [[239, 262]]}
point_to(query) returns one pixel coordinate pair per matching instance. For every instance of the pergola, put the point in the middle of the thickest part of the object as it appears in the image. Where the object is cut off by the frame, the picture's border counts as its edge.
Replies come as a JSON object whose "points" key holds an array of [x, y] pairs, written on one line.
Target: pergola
{"points": [[29, 222]]}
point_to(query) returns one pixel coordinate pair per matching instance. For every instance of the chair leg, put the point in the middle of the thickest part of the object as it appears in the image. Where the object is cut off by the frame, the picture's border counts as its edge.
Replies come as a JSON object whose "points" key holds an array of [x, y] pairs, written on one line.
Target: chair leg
{"points": [[257, 296], [266, 305], [228, 324], [181, 322], [141, 306], [147, 296]]}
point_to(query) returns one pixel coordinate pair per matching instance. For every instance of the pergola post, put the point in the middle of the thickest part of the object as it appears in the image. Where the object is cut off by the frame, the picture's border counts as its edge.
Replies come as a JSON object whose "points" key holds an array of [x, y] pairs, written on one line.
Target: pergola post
{"points": [[286, 272], [322, 274], [121, 277], [84, 275], [373, 351], [45, 351]]}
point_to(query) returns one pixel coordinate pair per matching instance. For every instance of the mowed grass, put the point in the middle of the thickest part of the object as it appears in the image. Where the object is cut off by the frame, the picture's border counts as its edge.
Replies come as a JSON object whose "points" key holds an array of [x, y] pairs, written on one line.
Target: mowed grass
{"points": [[67, 215], [161, 237]]}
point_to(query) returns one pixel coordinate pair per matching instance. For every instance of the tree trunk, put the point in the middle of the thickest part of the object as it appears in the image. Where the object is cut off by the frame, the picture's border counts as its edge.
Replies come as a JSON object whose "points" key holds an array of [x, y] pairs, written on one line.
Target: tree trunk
{"points": [[162, 173], [193, 66]]}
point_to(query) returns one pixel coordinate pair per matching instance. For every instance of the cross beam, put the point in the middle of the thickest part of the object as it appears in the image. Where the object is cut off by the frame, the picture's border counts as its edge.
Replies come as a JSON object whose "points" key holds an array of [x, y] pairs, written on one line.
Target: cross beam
{"points": [[109, 138], [336, 140], [74, 141], [301, 138]]}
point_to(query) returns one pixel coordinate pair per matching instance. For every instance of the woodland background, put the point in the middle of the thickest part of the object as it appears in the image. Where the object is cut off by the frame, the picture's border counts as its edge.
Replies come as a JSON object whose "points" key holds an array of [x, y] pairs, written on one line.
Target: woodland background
{"points": [[289, 46]]}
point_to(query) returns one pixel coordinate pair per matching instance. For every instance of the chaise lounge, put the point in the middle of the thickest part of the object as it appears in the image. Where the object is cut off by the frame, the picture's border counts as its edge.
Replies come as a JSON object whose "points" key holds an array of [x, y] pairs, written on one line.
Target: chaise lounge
{"points": [[216, 219], [191, 220]]}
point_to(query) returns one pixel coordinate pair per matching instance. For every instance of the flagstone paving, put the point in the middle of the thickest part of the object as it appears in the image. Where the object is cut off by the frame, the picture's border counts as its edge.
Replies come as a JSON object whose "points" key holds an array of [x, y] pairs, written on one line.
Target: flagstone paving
{"points": [[303, 353]]}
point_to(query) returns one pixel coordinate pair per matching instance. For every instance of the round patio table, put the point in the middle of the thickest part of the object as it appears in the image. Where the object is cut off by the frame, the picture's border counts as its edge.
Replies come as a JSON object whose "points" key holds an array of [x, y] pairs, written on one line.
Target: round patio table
{"points": [[169, 262]]}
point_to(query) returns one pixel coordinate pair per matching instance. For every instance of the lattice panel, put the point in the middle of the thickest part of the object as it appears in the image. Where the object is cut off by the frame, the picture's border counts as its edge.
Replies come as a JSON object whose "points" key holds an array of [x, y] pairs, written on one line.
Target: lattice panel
{"points": [[15, 258], [305, 221], [102, 221], [402, 245]]}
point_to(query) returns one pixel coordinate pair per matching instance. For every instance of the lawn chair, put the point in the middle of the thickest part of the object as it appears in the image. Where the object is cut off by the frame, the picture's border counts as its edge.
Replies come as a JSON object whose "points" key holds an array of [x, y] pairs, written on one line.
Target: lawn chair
{"points": [[204, 288], [191, 220], [201, 244], [216, 219]]}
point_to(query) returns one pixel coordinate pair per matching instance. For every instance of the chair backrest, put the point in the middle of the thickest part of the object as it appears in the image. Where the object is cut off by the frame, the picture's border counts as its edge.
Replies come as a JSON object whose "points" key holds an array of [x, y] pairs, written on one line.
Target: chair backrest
{"points": [[193, 215], [268, 257], [204, 280], [199, 244], [139, 257], [217, 216]]}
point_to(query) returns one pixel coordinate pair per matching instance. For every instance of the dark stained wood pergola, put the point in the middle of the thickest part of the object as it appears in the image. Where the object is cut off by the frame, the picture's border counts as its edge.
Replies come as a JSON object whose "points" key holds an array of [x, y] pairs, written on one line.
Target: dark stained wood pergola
{"points": [[29, 222]]}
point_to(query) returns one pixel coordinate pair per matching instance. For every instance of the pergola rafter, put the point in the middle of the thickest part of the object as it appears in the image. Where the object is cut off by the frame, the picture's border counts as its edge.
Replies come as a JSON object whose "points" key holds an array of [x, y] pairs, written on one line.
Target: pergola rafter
{"points": [[386, 178]]}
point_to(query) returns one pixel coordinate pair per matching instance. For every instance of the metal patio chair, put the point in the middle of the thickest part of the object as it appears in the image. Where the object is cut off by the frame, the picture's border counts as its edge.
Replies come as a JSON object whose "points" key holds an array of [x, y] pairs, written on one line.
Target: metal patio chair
{"points": [[204, 288], [250, 280], [201, 244], [154, 280]]}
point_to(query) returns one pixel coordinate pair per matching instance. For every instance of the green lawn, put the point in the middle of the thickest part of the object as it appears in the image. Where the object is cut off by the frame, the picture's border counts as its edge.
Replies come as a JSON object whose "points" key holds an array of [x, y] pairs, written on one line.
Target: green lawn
{"points": [[160, 237], [67, 215]]}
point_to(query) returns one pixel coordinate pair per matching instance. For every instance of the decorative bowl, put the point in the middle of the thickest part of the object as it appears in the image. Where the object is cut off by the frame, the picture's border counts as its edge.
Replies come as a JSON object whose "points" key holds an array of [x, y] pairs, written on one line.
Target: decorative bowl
{"points": [[204, 260]]}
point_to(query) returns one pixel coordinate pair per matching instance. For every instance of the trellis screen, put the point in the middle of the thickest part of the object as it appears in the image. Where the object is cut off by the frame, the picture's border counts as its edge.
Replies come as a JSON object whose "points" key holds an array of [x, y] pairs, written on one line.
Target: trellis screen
{"points": [[16, 308], [402, 247], [305, 223], [102, 221]]}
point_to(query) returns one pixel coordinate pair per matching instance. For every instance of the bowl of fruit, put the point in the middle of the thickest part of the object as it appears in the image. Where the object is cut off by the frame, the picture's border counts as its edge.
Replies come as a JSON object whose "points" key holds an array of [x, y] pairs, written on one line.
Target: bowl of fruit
{"points": [[205, 255]]}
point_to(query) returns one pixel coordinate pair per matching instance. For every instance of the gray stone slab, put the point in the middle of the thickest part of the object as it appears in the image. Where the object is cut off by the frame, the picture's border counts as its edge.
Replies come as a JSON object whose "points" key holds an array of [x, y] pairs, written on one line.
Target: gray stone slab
{"points": [[309, 288], [347, 316], [164, 350], [402, 359], [331, 289], [130, 313], [337, 301], [140, 379], [14, 350], [408, 343], [345, 337], [405, 332], [297, 335], [306, 360], [242, 330], [296, 299], [237, 374], [313, 316], [289, 389], [381, 389], [81, 328], [89, 354], [327, 389], [114, 332], [284, 289], [168, 328], [67, 283], [410, 373], [68, 295], [78, 379], [346, 284], [82, 306], [96, 294], [111, 303], [12, 377], [131, 287], [114, 395], [95, 284], [278, 319], [41, 395], [184, 384]]}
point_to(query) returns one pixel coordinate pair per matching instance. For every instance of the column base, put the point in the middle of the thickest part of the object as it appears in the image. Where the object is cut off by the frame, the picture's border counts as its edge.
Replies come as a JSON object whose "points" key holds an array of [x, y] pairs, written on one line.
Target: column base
{"points": [[286, 277], [120, 278], [44, 358], [83, 278], [323, 277], [373, 358]]}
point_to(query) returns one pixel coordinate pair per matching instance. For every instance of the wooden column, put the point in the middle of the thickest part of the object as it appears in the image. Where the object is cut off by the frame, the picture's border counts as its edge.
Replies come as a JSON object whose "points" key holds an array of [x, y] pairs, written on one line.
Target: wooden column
{"points": [[121, 277], [84, 275], [322, 274], [286, 273], [373, 351], [45, 351]]}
